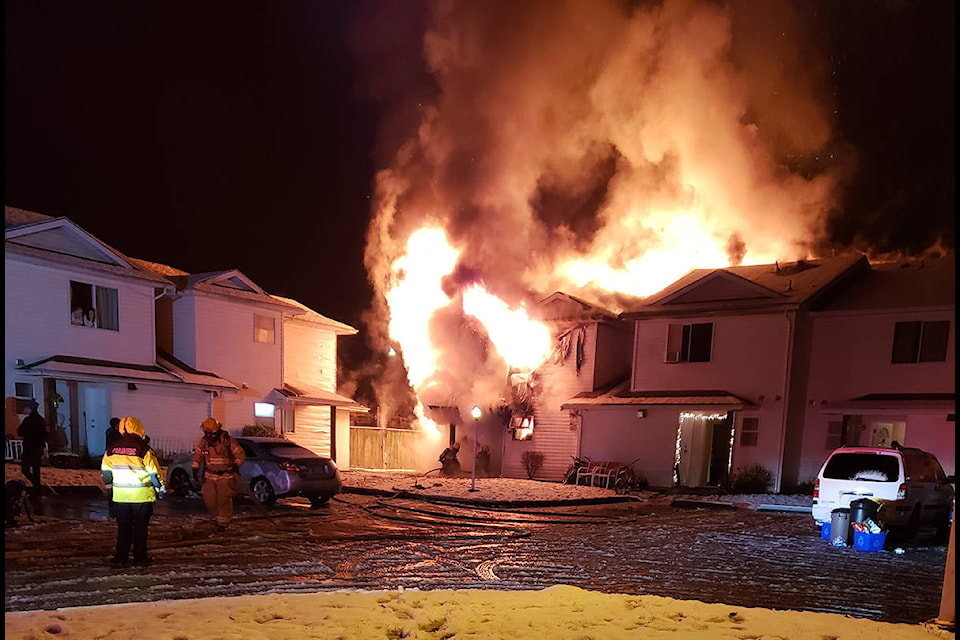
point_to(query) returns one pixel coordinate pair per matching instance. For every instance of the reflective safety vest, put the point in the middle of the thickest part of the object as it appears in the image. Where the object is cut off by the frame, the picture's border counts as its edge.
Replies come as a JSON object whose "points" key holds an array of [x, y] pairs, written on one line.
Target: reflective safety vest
{"points": [[131, 470]]}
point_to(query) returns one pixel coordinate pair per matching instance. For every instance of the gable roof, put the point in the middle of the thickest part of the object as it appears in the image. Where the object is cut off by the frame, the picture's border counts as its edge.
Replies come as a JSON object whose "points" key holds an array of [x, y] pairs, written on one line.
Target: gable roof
{"points": [[930, 282], [753, 288], [41, 239], [563, 306], [312, 317], [230, 283]]}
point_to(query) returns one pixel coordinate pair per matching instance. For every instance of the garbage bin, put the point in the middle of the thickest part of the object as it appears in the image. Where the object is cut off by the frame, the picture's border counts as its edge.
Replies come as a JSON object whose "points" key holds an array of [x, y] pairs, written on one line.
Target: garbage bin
{"points": [[840, 525], [862, 509]]}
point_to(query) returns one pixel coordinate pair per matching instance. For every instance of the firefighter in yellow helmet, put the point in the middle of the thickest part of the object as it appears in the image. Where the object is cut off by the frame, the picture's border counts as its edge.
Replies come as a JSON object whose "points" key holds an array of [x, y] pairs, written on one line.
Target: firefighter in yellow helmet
{"points": [[131, 474], [216, 465]]}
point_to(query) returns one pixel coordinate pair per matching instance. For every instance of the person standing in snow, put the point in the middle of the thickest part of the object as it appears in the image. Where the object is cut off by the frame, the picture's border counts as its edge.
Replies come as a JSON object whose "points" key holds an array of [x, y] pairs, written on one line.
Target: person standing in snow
{"points": [[216, 466], [33, 432], [131, 474]]}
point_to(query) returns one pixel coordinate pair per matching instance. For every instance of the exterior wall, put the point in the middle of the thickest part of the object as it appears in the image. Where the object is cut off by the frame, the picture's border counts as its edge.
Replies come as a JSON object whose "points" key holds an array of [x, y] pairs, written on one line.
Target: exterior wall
{"points": [[617, 434], [225, 346], [749, 360], [171, 416], [851, 358], [554, 435], [312, 428], [37, 302], [310, 355]]}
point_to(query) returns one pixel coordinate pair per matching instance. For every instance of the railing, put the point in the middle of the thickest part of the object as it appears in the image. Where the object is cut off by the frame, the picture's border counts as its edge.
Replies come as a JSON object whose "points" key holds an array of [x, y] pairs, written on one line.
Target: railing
{"points": [[13, 450]]}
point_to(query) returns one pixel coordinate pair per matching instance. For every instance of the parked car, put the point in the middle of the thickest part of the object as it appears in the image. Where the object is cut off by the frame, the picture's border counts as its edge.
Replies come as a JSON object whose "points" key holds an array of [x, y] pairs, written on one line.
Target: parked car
{"points": [[909, 484], [274, 468]]}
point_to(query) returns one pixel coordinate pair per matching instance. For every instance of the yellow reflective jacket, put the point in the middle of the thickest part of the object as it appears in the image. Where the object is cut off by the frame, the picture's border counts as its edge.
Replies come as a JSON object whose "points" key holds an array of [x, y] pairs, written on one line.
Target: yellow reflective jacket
{"points": [[129, 467]]}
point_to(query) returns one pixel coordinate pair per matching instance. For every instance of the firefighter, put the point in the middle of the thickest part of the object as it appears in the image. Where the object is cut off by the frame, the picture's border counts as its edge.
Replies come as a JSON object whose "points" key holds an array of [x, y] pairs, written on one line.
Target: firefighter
{"points": [[216, 466], [131, 474]]}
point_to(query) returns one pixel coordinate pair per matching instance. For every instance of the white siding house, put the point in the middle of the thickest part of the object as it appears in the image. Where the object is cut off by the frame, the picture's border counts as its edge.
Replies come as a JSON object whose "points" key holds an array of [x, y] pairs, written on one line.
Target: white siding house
{"points": [[883, 366], [719, 375], [84, 373], [592, 349], [166, 346]]}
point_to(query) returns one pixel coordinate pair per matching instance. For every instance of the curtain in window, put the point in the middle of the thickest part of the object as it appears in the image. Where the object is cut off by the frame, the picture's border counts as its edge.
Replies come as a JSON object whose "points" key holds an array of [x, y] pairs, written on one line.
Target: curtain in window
{"points": [[108, 311]]}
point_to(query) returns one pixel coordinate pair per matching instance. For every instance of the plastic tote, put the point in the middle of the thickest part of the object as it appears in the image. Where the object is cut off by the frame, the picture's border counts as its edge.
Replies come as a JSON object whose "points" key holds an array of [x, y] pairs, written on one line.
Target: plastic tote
{"points": [[866, 541], [825, 531]]}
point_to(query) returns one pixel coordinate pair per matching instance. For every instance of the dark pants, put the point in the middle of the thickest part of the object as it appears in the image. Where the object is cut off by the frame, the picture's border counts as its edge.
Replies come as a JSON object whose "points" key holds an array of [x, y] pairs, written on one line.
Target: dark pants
{"points": [[133, 519], [30, 465]]}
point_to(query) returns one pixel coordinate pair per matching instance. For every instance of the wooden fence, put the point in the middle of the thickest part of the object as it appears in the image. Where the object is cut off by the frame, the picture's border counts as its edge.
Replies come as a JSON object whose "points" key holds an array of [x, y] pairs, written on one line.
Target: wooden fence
{"points": [[382, 448]]}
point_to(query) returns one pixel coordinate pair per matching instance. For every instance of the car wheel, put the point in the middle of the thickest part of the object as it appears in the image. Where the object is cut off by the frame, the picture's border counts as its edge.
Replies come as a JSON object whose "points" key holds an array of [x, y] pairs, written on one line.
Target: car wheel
{"points": [[318, 501], [179, 483], [913, 526], [942, 535], [262, 491]]}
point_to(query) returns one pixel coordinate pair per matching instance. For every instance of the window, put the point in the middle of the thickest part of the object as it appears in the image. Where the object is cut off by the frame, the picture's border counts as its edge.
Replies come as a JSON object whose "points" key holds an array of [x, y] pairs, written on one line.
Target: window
{"points": [[264, 415], [920, 341], [689, 342], [749, 432], [264, 329], [93, 306], [23, 392], [521, 427]]}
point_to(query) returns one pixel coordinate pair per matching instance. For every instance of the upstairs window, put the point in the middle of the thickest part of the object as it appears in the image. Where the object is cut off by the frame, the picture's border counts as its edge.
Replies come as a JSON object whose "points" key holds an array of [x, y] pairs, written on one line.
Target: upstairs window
{"points": [[920, 341], [264, 329], [94, 306], [689, 342]]}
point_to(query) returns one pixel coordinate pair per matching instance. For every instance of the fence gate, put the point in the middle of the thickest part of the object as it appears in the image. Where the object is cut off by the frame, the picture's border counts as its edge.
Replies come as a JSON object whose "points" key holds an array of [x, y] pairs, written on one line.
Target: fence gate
{"points": [[382, 448]]}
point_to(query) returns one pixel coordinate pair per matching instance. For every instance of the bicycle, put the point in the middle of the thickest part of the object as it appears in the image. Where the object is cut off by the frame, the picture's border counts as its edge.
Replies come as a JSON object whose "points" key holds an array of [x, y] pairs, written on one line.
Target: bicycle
{"points": [[629, 480]]}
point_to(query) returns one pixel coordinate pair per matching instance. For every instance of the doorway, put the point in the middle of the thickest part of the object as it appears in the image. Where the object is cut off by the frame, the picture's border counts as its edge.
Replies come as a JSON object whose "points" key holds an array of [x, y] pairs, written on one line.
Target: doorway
{"points": [[702, 455]]}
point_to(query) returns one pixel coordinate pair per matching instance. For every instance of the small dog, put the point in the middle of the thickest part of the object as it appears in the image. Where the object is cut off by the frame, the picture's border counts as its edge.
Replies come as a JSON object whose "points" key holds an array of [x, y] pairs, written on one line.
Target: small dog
{"points": [[15, 494]]}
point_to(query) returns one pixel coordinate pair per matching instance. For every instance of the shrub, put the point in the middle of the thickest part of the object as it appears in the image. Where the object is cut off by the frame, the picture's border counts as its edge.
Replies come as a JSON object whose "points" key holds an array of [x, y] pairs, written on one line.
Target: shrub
{"points": [[532, 461], [259, 430], [804, 489], [755, 479]]}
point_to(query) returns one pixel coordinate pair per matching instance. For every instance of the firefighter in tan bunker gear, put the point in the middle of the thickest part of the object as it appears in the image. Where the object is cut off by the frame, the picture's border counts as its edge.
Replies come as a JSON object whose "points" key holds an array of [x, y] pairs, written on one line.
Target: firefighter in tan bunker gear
{"points": [[216, 465]]}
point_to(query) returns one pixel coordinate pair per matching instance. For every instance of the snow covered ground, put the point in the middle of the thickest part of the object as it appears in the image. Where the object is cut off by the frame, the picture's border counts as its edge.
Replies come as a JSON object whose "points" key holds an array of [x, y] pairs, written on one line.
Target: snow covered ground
{"points": [[557, 612]]}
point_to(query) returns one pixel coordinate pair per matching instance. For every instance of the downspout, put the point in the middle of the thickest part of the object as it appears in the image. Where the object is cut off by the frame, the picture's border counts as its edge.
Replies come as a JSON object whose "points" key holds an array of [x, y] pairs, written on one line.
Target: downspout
{"points": [[788, 314]]}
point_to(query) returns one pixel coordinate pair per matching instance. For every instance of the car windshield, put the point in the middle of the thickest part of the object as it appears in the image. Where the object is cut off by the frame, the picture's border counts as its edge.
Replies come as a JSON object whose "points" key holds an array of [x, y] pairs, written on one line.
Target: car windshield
{"points": [[286, 450], [870, 467]]}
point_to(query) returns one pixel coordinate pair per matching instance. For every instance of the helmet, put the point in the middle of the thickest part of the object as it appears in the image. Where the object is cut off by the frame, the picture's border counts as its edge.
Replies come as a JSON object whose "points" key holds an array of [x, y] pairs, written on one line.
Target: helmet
{"points": [[132, 425], [210, 425]]}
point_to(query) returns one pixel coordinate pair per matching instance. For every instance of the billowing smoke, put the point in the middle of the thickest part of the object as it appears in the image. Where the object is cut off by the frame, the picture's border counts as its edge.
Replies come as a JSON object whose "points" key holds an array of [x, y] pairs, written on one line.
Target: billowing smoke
{"points": [[598, 147]]}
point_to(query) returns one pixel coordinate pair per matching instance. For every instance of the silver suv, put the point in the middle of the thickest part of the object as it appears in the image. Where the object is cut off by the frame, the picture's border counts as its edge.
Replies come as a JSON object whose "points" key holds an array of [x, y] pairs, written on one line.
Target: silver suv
{"points": [[909, 484]]}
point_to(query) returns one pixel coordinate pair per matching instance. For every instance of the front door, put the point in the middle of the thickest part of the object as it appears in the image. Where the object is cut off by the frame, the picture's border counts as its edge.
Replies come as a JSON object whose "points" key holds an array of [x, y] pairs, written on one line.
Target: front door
{"points": [[95, 418]]}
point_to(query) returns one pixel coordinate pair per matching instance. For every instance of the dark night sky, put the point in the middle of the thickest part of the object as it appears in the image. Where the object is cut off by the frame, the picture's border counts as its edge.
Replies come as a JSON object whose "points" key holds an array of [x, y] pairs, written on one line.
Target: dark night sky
{"points": [[214, 136]]}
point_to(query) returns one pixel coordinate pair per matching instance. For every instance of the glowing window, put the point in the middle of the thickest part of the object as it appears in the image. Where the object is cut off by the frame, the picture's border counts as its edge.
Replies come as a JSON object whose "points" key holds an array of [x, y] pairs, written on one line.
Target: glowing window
{"points": [[264, 329], [264, 409]]}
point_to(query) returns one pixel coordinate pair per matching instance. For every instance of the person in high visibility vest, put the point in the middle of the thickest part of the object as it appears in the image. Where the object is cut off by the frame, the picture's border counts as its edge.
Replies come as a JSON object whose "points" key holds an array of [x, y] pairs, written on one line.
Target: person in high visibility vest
{"points": [[216, 465], [131, 474]]}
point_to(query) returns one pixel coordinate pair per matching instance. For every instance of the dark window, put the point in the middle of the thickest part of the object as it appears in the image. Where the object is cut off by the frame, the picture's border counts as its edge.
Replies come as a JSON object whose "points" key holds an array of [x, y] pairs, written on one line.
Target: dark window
{"points": [[919, 341], [689, 342], [750, 432]]}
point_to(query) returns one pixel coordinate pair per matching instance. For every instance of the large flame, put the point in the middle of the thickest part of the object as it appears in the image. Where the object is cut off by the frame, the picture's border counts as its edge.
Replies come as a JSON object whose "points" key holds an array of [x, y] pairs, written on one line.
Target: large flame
{"points": [[602, 149]]}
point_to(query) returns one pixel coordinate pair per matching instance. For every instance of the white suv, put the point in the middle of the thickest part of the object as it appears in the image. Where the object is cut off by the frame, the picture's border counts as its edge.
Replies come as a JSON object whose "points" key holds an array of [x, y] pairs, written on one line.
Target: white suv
{"points": [[909, 484]]}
